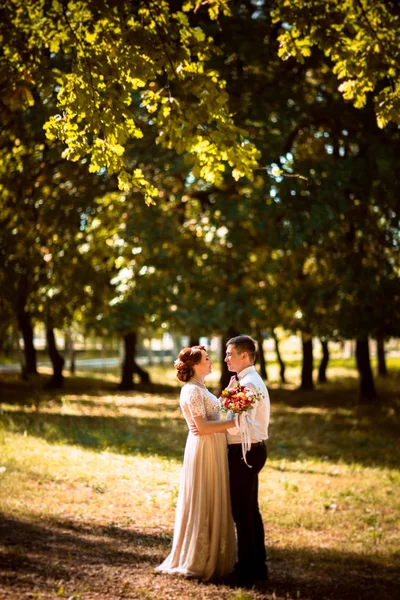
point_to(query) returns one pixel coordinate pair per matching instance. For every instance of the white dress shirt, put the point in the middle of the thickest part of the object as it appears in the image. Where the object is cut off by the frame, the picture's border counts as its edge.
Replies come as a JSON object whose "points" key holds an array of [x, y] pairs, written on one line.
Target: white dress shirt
{"points": [[258, 417]]}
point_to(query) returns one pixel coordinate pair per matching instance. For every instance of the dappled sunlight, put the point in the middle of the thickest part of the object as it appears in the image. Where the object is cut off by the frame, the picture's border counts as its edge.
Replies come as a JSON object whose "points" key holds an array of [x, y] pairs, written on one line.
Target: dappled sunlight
{"points": [[97, 471], [66, 480], [137, 404], [348, 505], [70, 554]]}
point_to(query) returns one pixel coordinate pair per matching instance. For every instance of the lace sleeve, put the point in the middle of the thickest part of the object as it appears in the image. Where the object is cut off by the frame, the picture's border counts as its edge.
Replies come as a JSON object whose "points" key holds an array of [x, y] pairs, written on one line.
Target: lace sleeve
{"points": [[195, 401]]}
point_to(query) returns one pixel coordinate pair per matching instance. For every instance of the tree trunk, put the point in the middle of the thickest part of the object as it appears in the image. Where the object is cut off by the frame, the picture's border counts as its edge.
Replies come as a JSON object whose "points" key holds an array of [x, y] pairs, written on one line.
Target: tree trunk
{"points": [[149, 355], [380, 347], [225, 374], [25, 325], [279, 358], [367, 386], [129, 365], [72, 365], [193, 340], [324, 362], [57, 379], [177, 345], [69, 350], [307, 368], [261, 357], [20, 351]]}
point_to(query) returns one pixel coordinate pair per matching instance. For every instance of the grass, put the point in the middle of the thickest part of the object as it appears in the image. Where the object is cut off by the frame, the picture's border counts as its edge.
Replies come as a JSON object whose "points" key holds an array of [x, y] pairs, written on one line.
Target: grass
{"points": [[89, 479]]}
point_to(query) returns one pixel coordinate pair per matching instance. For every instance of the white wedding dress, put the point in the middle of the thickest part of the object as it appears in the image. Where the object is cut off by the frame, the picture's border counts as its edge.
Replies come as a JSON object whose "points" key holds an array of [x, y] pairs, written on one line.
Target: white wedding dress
{"points": [[204, 543]]}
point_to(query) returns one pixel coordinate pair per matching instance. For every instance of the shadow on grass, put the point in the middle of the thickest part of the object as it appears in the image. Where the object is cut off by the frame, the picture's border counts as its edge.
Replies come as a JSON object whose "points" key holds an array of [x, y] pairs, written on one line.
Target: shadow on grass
{"points": [[125, 435], [367, 439], [322, 425], [38, 557], [294, 435], [331, 575], [14, 390], [44, 556], [143, 403], [340, 393]]}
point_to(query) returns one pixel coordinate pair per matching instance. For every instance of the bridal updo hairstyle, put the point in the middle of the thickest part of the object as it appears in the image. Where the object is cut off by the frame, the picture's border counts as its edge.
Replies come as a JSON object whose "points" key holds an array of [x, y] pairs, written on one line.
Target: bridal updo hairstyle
{"points": [[185, 361]]}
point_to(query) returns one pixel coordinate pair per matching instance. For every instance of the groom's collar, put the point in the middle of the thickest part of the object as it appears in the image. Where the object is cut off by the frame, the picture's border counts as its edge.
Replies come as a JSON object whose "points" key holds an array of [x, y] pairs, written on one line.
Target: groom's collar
{"points": [[250, 369]]}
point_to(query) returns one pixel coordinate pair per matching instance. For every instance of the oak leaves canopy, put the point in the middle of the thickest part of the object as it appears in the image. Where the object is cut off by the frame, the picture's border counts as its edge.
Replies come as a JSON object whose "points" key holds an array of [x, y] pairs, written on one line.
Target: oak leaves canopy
{"points": [[116, 67], [120, 67], [361, 37]]}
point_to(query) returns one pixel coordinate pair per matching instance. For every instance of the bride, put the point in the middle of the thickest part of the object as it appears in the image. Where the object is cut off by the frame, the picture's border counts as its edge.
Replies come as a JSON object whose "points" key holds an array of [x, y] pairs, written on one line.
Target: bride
{"points": [[204, 540]]}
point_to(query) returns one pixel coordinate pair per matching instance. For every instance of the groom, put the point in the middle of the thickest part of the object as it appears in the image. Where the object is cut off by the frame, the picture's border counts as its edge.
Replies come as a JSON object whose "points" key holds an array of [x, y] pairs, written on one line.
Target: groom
{"points": [[251, 566]]}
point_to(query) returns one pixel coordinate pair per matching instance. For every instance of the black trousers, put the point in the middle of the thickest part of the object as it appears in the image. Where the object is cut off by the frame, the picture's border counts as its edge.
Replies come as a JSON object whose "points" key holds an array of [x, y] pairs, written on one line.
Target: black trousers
{"points": [[246, 514]]}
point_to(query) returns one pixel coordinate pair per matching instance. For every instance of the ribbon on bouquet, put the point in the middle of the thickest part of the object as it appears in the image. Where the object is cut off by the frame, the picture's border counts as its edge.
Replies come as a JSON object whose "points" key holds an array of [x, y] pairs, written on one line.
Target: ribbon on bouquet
{"points": [[245, 436]]}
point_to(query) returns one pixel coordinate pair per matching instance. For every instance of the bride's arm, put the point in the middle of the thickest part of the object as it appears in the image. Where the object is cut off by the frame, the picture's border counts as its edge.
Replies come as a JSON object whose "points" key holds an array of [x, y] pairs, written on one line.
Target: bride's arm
{"points": [[205, 427]]}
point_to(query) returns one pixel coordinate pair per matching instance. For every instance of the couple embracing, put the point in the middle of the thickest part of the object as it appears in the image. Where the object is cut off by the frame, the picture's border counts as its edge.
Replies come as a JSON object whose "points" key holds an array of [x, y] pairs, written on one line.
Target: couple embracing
{"points": [[219, 480]]}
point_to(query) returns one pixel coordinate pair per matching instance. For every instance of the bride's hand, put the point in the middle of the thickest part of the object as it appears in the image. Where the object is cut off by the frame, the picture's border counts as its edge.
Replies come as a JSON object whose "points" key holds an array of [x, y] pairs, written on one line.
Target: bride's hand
{"points": [[233, 382], [193, 429]]}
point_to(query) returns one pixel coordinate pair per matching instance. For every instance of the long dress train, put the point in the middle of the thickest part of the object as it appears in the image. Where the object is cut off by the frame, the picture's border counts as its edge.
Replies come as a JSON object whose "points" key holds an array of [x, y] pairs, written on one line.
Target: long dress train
{"points": [[204, 538]]}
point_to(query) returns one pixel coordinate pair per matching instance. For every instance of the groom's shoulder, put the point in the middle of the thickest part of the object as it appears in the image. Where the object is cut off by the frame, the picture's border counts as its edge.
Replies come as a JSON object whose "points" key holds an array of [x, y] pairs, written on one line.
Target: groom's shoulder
{"points": [[255, 378], [255, 374], [252, 377]]}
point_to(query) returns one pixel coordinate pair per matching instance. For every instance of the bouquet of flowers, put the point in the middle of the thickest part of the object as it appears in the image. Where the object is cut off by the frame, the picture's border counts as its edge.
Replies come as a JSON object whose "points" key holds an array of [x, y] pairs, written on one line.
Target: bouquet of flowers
{"points": [[238, 399]]}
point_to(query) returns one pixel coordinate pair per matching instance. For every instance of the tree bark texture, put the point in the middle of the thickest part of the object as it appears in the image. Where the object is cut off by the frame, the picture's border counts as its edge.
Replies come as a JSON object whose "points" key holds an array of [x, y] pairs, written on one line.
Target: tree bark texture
{"points": [[279, 358], [69, 351], [193, 341], [129, 365], [367, 385], [25, 325], [261, 357], [380, 347], [324, 362], [57, 379], [307, 368]]}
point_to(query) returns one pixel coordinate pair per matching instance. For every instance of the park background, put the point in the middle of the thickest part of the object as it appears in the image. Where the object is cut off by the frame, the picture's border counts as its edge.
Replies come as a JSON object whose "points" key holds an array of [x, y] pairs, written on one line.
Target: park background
{"points": [[180, 172]]}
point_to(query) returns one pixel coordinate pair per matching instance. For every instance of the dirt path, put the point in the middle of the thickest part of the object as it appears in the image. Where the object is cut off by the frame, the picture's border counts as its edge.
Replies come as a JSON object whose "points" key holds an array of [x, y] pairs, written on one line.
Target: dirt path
{"points": [[73, 560], [77, 560]]}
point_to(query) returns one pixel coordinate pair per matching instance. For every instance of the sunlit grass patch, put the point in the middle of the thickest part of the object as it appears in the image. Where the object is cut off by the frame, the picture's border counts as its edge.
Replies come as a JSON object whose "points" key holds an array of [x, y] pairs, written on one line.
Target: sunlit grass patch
{"points": [[95, 472], [45, 479], [323, 504]]}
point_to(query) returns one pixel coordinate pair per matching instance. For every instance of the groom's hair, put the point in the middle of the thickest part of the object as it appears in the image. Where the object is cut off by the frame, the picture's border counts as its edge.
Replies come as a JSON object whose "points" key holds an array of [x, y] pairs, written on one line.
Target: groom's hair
{"points": [[244, 343]]}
